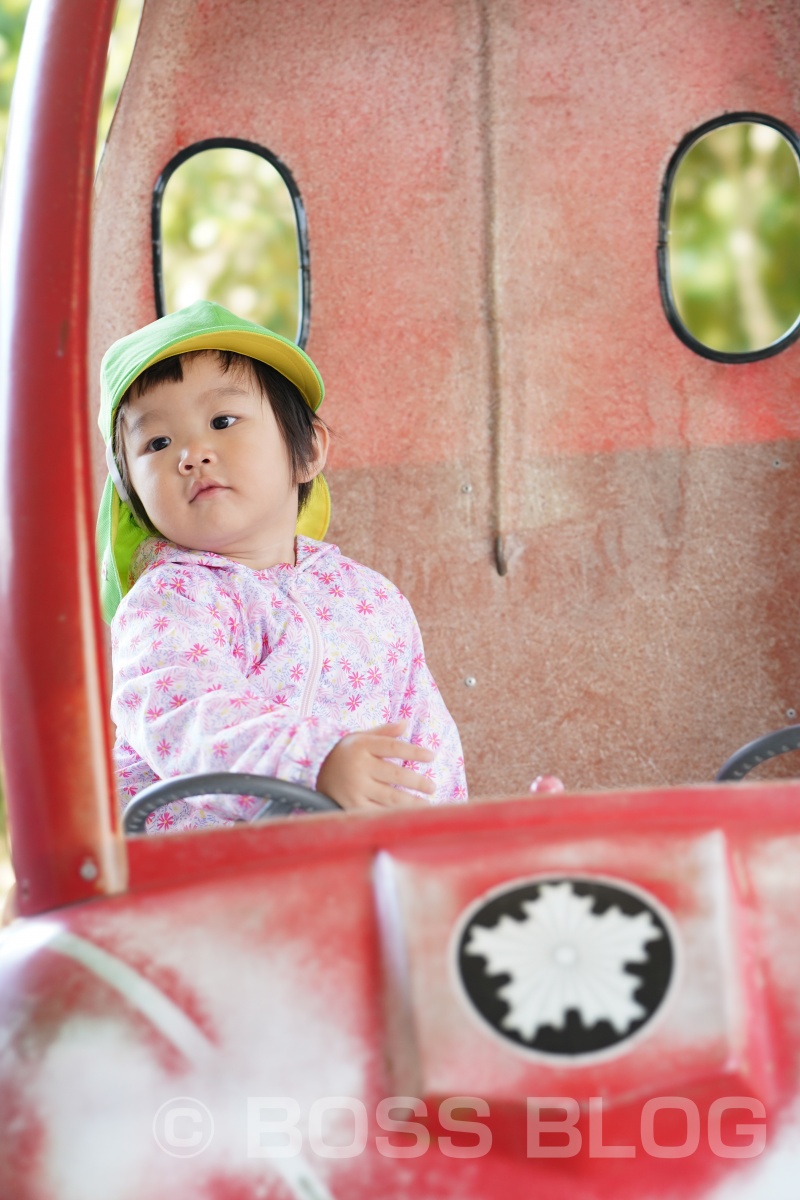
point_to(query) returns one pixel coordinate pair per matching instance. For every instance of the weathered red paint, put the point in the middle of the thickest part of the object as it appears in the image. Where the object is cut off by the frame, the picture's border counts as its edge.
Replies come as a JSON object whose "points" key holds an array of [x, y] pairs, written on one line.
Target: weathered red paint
{"points": [[513, 341], [53, 696]]}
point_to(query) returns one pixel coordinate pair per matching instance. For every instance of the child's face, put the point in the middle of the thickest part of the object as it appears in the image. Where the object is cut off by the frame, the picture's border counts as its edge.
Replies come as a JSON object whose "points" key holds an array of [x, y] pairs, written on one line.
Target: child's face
{"points": [[208, 461]]}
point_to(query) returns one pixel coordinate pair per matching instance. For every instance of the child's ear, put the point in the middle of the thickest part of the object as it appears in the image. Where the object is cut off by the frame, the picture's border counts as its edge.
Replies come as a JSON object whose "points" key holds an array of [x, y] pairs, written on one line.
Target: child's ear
{"points": [[321, 442]]}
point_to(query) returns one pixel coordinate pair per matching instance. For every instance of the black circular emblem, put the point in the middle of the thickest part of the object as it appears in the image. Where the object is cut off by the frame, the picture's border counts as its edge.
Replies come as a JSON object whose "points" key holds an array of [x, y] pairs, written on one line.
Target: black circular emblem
{"points": [[566, 966]]}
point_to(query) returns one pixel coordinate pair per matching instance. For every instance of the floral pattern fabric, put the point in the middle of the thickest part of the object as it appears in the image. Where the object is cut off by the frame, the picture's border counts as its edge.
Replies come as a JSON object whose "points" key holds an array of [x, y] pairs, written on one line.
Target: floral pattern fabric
{"points": [[218, 667]]}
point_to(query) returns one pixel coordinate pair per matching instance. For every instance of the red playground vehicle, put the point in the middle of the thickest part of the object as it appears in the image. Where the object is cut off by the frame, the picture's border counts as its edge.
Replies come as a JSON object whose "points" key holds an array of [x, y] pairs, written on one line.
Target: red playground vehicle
{"points": [[579, 461]]}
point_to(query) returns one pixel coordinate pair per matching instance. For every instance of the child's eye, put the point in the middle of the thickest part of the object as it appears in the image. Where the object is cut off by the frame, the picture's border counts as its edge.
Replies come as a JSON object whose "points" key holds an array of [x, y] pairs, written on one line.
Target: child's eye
{"points": [[222, 422], [159, 443]]}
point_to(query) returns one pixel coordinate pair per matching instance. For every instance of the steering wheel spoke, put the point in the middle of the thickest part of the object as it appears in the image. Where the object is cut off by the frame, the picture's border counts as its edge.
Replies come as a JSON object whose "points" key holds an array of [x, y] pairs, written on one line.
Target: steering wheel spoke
{"points": [[282, 797]]}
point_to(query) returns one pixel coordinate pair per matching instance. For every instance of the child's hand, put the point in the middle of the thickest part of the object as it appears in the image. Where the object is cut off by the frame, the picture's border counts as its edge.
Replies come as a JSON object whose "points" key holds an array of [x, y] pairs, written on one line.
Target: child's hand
{"points": [[357, 773]]}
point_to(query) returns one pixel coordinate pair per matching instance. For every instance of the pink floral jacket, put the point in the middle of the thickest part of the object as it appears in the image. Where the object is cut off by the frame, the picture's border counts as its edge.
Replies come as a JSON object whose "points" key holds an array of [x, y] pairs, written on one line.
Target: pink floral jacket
{"points": [[219, 667]]}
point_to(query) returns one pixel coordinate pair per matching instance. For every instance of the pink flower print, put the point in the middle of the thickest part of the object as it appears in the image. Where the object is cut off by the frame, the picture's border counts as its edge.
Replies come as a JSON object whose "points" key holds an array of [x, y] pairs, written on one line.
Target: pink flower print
{"points": [[213, 610], [392, 656], [135, 641], [326, 666], [280, 699], [365, 608], [153, 714], [416, 739], [434, 741], [238, 701], [238, 650], [163, 747], [219, 636], [405, 710], [323, 613], [179, 587], [399, 645], [133, 701], [335, 591], [325, 577], [177, 700], [418, 660], [220, 749], [410, 691], [430, 775], [160, 624], [356, 680], [381, 594], [459, 792], [344, 663], [265, 643], [233, 624], [256, 667], [214, 687], [354, 702], [164, 819], [347, 566], [154, 646], [123, 621], [196, 652], [374, 676], [297, 672], [297, 617], [386, 714], [160, 585], [412, 766]]}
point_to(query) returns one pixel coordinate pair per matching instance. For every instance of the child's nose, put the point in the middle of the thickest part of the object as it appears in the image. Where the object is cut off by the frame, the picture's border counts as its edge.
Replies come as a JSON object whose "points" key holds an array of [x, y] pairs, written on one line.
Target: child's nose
{"points": [[193, 457]]}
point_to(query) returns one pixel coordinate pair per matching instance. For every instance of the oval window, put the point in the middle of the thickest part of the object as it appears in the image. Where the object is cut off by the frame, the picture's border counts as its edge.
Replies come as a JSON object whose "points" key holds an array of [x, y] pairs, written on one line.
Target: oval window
{"points": [[729, 253], [228, 226]]}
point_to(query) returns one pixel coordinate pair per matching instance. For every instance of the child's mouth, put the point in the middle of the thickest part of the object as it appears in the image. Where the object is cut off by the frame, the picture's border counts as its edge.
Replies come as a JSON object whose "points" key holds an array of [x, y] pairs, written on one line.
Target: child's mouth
{"points": [[207, 490]]}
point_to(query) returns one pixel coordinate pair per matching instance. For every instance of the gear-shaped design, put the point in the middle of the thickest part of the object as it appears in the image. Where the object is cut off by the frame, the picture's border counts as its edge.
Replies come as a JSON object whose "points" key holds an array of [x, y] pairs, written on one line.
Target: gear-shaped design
{"points": [[567, 966]]}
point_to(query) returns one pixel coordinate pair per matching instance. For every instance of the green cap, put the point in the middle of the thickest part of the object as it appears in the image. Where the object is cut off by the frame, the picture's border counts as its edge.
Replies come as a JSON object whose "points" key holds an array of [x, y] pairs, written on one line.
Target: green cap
{"points": [[202, 326]]}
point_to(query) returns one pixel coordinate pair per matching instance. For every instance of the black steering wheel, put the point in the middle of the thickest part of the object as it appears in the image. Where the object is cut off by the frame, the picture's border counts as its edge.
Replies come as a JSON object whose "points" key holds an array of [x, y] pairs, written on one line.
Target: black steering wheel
{"points": [[282, 797], [759, 751]]}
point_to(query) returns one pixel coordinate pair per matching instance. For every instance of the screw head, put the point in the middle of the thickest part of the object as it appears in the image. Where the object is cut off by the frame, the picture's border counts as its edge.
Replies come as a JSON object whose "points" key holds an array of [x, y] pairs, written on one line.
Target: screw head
{"points": [[88, 870], [470, 681], [466, 487]]}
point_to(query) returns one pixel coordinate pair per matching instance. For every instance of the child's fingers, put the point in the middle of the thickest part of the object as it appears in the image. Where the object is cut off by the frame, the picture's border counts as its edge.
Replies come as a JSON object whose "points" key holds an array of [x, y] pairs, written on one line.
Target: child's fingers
{"points": [[395, 776], [383, 747], [384, 795]]}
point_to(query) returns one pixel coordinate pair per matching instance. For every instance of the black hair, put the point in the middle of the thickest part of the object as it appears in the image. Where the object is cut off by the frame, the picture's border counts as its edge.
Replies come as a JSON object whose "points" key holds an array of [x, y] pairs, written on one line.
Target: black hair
{"points": [[295, 418]]}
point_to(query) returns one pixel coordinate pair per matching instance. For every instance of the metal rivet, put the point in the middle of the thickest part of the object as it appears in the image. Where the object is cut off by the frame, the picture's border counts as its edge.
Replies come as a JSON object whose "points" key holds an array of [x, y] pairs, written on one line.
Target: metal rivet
{"points": [[470, 681], [791, 714], [466, 487], [88, 870]]}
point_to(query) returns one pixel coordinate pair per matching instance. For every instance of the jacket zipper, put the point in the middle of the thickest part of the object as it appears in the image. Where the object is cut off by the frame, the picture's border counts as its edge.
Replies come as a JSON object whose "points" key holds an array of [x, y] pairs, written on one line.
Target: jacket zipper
{"points": [[315, 667]]}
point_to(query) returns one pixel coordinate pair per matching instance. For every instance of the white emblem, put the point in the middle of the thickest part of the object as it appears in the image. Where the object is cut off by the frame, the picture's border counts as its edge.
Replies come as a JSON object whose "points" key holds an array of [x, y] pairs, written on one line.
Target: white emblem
{"points": [[562, 956]]}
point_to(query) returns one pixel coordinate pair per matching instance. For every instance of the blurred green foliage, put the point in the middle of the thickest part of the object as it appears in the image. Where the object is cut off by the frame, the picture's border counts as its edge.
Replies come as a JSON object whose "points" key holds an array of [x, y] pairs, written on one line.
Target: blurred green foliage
{"points": [[734, 237], [229, 234]]}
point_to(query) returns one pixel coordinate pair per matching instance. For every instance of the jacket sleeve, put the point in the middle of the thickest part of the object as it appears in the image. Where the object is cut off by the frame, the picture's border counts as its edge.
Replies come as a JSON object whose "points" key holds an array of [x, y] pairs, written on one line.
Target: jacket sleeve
{"points": [[182, 701], [418, 700]]}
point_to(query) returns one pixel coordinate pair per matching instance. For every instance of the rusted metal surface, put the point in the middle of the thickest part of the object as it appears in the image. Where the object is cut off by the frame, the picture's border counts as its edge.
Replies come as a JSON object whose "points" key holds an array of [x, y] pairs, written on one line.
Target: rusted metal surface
{"points": [[53, 696]]}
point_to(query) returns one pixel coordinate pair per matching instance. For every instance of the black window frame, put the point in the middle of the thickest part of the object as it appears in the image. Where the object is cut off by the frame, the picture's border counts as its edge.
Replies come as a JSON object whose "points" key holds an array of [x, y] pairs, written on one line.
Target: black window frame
{"points": [[232, 143], [665, 288]]}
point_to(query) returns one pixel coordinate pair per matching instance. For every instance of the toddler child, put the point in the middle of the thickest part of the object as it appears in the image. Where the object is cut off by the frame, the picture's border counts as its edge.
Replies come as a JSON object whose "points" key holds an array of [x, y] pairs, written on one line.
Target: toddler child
{"points": [[240, 640]]}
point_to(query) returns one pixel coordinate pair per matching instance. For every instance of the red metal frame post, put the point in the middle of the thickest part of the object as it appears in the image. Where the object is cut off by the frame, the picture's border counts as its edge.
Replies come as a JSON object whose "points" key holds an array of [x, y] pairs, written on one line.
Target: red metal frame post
{"points": [[53, 697]]}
